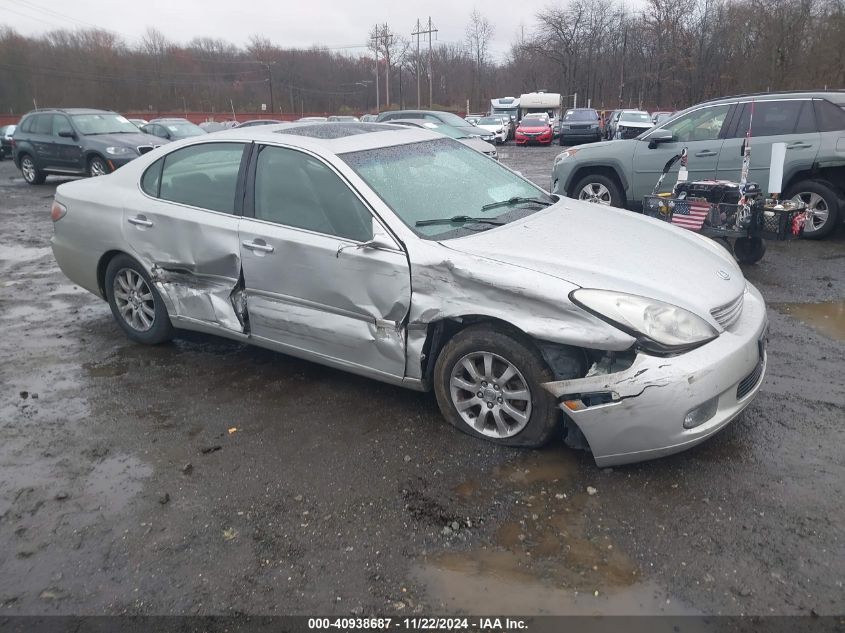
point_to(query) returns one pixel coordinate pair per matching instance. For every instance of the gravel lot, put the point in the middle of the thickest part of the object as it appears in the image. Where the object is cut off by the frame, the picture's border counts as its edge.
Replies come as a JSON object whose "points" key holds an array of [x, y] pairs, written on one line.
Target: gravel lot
{"points": [[208, 477]]}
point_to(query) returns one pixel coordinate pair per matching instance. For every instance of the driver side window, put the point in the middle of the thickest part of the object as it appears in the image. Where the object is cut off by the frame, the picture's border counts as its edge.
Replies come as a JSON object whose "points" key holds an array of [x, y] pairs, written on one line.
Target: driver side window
{"points": [[702, 125]]}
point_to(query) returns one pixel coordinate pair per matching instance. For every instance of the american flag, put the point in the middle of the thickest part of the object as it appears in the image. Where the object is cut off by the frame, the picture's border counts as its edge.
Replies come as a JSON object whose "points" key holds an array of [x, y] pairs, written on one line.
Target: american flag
{"points": [[690, 214]]}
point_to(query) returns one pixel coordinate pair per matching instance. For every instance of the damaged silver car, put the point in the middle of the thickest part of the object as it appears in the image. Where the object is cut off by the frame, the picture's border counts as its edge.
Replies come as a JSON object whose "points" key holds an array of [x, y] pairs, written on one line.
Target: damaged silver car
{"points": [[407, 257]]}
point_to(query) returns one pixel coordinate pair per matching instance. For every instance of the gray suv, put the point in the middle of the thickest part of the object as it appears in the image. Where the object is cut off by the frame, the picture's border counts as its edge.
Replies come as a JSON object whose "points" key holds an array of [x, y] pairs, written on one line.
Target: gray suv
{"points": [[76, 142], [812, 124]]}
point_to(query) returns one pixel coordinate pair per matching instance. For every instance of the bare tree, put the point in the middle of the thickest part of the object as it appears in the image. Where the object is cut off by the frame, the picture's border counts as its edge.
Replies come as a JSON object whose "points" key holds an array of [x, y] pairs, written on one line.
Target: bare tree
{"points": [[478, 34]]}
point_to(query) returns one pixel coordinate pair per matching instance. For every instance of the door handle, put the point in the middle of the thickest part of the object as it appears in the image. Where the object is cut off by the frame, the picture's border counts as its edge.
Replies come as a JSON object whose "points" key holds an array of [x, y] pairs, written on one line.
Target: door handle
{"points": [[139, 220], [799, 145], [705, 152], [256, 246]]}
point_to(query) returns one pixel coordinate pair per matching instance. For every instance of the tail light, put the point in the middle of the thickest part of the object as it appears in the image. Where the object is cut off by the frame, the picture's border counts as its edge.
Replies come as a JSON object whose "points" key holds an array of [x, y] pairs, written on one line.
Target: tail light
{"points": [[57, 211]]}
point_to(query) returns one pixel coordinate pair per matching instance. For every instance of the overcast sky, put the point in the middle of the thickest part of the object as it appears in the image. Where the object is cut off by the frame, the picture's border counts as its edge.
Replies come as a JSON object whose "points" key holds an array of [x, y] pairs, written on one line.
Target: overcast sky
{"points": [[288, 23]]}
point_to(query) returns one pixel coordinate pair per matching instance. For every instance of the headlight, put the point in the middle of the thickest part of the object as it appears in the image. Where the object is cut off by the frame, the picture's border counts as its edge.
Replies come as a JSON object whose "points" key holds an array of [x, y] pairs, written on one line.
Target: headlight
{"points": [[569, 153], [660, 327], [119, 151]]}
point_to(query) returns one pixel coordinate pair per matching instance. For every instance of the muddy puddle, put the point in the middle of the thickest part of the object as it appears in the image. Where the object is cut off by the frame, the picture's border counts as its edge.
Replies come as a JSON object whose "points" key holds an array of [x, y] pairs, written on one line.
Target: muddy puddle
{"points": [[827, 317], [114, 481], [17, 254], [551, 555]]}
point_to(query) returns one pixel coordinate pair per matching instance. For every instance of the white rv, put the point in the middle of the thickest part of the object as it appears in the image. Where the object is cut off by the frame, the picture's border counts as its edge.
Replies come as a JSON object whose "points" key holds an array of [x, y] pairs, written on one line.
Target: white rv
{"points": [[549, 102], [505, 106]]}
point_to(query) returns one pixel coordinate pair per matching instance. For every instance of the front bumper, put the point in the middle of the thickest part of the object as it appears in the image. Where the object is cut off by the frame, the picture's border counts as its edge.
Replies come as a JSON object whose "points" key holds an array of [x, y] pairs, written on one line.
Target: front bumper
{"points": [[522, 139], [651, 398], [588, 133]]}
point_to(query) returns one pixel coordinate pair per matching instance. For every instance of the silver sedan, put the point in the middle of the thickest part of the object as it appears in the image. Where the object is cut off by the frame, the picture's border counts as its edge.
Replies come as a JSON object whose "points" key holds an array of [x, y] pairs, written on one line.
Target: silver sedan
{"points": [[407, 257]]}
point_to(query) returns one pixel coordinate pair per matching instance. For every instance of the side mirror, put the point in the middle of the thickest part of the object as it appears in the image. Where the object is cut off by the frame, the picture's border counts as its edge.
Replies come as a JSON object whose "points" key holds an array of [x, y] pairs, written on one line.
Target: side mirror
{"points": [[67, 133], [379, 241], [658, 137]]}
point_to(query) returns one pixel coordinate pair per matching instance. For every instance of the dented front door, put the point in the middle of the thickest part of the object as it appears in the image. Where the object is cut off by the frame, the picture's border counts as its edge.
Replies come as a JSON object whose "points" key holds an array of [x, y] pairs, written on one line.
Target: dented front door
{"points": [[185, 232], [316, 281]]}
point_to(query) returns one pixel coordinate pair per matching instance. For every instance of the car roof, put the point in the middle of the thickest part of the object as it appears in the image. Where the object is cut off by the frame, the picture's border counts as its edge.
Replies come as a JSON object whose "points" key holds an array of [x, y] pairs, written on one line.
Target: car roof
{"points": [[769, 96], [70, 111], [330, 137]]}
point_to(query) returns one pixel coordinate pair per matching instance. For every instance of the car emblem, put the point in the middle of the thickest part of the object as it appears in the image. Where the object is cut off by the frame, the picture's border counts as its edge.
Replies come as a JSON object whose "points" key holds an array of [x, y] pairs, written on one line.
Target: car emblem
{"points": [[723, 274]]}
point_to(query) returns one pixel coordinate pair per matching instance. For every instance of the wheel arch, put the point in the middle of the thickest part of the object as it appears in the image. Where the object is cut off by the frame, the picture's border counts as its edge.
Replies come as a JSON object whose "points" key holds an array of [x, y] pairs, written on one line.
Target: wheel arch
{"points": [[102, 265], [609, 171]]}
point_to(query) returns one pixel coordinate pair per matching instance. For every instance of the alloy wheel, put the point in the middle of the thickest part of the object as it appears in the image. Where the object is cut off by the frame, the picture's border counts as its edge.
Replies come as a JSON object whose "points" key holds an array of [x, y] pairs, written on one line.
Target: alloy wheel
{"points": [[134, 299], [597, 193], [815, 203], [28, 169], [98, 168], [490, 394]]}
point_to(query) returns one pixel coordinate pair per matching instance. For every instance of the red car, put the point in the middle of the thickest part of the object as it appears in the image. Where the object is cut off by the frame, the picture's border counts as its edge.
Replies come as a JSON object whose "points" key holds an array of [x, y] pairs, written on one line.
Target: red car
{"points": [[534, 129]]}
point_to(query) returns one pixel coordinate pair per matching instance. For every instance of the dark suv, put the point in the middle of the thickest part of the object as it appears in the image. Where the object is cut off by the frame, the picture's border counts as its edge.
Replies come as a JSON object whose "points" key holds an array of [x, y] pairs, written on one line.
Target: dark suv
{"points": [[812, 124], [76, 142]]}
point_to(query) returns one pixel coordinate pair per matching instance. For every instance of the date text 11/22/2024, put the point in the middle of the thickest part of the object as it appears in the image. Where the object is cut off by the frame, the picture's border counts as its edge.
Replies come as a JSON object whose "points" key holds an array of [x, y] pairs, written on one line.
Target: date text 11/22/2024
{"points": [[487, 624]]}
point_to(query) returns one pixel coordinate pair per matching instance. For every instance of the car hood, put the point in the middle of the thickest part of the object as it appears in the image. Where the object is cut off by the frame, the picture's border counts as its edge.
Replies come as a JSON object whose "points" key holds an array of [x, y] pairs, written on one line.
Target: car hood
{"points": [[491, 128], [126, 140], [595, 246], [540, 127]]}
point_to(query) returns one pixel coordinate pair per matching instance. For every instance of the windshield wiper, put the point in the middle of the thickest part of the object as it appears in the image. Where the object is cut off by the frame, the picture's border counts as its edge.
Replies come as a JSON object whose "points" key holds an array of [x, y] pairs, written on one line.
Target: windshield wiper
{"points": [[515, 200], [457, 219]]}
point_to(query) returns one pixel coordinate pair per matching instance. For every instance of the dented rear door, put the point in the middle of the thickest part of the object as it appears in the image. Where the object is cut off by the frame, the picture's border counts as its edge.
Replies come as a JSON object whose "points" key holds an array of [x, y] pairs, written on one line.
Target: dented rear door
{"points": [[315, 283], [184, 229]]}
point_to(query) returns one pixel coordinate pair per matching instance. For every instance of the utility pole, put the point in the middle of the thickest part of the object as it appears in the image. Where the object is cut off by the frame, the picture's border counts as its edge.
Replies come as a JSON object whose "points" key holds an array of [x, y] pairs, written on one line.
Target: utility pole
{"points": [[622, 64], [375, 40], [387, 39], [429, 30], [269, 82]]}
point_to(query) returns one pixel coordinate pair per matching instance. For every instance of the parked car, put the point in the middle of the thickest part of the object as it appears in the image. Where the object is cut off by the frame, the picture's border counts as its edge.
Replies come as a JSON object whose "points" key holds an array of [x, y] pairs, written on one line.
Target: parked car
{"points": [[534, 128], [458, 133], [312, 119], [369, 118], [580, 125], [631, 123], [412, 259], [173, 129], [496, 127], [253, 122], [216, 126], [660, 116], [76, 141], [6, 144], [342, 118], [610, 124], [812, 124], [436, 115], [138, 122]]}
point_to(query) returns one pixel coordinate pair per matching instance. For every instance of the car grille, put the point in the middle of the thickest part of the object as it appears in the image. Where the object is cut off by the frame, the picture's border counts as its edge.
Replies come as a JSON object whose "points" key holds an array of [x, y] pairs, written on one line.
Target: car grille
{"points": [[747, 384], [728, 314], [143, 149], [579, 127]]}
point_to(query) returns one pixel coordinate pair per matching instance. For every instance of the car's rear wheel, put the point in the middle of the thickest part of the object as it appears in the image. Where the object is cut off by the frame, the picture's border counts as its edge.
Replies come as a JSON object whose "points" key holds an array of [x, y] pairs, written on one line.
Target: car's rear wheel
{"points": [[135, 303], [822, 200], [599, 189], [30, 171], [488, 385], [97, 167]]}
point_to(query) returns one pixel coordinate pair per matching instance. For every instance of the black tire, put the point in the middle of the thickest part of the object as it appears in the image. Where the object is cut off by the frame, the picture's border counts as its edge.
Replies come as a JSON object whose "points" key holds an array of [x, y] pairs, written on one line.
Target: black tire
{"points": [[544, 417], [31, 174], [560, 140], [616, 198], [160, 329], [807, 189], [97, 167], [749, 250]]}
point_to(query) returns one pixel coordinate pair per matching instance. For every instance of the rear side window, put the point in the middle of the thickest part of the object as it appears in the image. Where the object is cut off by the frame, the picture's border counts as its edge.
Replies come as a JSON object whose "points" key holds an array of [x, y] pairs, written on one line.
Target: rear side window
{"points": [[151, 180], [43, 124], [204, 176], [831, 117], [776, 118]]}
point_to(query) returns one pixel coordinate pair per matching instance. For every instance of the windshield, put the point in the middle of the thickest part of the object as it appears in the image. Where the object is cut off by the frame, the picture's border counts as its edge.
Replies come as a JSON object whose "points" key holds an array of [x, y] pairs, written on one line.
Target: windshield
{"points": [[103, 124], [534, 121], [489, 120], [581, 115], [441, 179], [182, 129], [635, 117]]}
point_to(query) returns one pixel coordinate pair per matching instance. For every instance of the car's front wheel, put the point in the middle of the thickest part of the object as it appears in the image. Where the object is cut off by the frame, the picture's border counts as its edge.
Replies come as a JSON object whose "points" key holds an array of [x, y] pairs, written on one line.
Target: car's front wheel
{"points": [[135, 303], [30, 171], [822, 200], [97, 167], [488, 384], [599, 189]]}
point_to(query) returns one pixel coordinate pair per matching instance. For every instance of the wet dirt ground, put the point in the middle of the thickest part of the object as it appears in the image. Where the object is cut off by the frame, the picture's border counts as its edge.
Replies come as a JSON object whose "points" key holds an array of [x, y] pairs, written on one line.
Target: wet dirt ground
{"points": [[209, 477]]}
